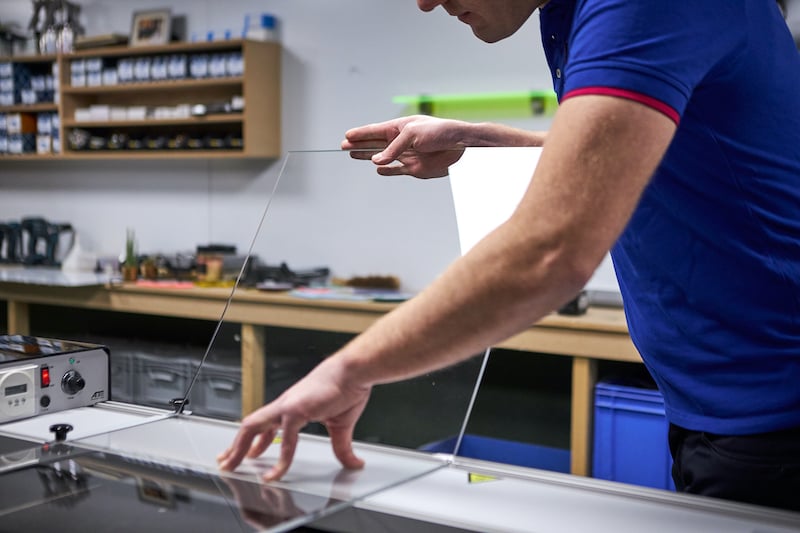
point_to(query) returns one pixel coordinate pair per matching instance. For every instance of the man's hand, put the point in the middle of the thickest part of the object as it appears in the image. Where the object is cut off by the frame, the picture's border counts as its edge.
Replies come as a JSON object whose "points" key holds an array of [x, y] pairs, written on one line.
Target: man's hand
{"points": [[263, 506], [419, 145], [323, 396]]}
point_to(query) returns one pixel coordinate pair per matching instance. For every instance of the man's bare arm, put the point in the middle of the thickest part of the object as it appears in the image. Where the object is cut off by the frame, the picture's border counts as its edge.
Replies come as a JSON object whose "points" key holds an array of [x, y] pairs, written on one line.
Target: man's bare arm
{"points": [[597, 160]]}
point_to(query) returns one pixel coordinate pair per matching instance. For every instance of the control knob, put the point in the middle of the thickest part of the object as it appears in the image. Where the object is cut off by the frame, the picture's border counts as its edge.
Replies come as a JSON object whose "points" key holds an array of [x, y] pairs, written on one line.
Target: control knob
{"points": [[72, 382], [61, 431]]}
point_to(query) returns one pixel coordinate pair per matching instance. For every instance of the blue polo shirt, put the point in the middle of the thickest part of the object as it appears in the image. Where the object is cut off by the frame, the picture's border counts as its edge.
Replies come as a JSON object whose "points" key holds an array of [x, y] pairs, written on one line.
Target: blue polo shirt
{"points": [[709, 264]]}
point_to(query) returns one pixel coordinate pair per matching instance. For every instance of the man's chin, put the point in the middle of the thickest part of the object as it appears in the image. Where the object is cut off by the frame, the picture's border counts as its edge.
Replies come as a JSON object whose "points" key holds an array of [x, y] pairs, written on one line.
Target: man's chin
{"points": [[487, 38]]}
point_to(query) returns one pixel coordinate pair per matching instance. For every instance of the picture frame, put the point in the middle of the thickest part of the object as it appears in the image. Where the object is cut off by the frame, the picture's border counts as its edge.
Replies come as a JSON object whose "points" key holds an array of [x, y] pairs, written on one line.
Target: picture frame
{"points": [[151, 27]]}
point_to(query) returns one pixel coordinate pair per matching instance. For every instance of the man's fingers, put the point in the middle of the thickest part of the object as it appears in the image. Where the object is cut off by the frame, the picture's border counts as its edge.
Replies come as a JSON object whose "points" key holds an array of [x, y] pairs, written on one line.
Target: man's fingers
{"points": [[380, 131], [258, 423], [392, 170], [373, 144], [230, 458], [289, 438], [404, 141], [261, 443], [342, 442], [363, 155]]}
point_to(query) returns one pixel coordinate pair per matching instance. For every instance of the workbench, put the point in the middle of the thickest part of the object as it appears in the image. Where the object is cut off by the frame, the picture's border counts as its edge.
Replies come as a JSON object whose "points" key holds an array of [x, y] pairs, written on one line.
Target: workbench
{"points": [[600, 334]]}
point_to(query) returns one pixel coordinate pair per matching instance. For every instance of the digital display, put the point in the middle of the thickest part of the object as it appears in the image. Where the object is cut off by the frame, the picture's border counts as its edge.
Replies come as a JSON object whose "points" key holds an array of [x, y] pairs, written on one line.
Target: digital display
{"points": [[16, 389]]}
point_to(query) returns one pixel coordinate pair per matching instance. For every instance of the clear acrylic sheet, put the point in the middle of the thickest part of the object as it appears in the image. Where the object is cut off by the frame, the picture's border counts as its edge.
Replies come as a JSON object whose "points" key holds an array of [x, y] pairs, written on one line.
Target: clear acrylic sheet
{"points": [[16, 452], [328, 210], [333, 211]]}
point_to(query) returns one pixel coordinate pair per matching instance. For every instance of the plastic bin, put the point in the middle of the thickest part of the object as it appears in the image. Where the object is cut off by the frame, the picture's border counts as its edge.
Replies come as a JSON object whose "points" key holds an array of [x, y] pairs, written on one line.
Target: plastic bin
{"points": [[630, 436], [218, 391], [161, 379], [505, 451], [122, 376]]}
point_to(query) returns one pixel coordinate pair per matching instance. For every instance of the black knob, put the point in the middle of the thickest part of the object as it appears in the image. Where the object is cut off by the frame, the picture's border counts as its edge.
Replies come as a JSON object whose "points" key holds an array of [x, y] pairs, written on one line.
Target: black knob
{"points": [[61, 431], [44, 401], [72, 382]]}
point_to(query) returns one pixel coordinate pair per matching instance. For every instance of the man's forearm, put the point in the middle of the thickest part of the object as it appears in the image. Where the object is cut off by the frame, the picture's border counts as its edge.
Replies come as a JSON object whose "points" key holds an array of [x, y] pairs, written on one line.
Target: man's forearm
{"points": [[578, 202], [491, 134]]}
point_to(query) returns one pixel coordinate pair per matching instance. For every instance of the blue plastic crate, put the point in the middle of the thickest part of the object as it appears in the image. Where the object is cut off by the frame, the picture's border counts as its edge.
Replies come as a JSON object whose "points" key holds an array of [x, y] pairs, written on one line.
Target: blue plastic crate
{"points": [[630, 436], [505, 451]]}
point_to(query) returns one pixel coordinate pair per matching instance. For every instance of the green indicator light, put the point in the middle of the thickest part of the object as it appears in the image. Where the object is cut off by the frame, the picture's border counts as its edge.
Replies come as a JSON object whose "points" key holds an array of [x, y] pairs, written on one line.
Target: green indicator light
{"points": [[72, 360]]}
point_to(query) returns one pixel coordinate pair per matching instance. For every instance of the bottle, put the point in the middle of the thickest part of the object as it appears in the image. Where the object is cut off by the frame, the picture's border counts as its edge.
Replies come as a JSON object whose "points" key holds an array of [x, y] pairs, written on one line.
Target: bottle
{"points": [[65, 39]]}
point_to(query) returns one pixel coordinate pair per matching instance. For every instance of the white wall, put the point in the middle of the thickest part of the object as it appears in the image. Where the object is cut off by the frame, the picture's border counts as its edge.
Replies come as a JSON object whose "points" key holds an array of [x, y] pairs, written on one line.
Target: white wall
{"points": [[343, 62]]}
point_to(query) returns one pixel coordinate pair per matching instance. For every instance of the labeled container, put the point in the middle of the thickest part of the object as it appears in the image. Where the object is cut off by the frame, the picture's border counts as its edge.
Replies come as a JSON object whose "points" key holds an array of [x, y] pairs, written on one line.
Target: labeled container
{"points": [[630, 436]]}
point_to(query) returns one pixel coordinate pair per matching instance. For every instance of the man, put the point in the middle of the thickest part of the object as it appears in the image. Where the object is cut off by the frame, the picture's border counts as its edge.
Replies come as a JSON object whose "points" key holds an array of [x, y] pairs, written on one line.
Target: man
{"points": [[677, 145]]}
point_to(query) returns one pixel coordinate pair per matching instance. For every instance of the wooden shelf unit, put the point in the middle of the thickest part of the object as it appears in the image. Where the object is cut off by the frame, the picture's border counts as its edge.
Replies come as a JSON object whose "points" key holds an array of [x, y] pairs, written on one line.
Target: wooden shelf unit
{"points": [[44, 58], [157, 86], [258, 125], [206, 119], [30, 108]]}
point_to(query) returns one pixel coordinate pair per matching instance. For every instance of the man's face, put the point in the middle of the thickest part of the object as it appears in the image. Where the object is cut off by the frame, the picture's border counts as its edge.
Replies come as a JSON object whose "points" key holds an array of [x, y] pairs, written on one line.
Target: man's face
{"points": [[490, 20]]}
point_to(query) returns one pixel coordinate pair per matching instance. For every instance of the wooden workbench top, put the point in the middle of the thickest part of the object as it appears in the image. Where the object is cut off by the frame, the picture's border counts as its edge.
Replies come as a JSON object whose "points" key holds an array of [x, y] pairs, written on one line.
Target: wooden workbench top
{"points": [[599, 333]]}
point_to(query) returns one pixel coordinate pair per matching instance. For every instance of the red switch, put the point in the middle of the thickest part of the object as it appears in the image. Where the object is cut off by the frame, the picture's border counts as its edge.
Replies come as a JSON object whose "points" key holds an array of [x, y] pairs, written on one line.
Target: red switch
{"points": [[45, 375]]}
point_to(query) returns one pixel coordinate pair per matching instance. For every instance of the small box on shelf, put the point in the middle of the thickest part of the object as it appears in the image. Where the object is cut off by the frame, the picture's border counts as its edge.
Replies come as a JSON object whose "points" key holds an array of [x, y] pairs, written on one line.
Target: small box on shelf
{"points": [[44, 144], [20, 123], [21, 143]]}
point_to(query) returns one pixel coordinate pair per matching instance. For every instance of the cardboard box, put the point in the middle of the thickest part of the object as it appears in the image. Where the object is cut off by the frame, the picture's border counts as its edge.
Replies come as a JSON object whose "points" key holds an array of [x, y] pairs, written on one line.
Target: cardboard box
{"points": [[44, 144], [17, 123]]}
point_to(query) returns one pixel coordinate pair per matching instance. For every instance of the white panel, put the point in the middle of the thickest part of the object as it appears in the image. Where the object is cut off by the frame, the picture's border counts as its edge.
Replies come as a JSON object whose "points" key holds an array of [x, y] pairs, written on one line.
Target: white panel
{"points": [[487, 185]]}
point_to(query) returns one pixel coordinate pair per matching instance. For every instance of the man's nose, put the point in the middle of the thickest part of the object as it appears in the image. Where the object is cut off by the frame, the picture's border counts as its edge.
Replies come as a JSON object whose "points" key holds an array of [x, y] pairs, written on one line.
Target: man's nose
{"points": [[429, 5]]}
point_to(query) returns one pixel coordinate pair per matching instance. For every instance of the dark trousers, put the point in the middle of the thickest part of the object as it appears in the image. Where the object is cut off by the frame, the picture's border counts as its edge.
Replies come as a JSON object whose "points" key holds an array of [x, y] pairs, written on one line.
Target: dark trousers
{"points": [[763, 469]]}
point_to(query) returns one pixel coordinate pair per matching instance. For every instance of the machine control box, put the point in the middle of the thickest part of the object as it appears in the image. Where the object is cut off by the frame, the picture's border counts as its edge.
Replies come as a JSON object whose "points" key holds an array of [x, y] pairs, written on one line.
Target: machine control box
{"points": [[39, 375]]}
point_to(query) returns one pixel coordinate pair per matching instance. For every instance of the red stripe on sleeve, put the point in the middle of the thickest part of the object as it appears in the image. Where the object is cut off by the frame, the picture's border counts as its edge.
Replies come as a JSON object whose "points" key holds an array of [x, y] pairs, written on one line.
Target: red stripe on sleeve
{"points": [[649, 101]]}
